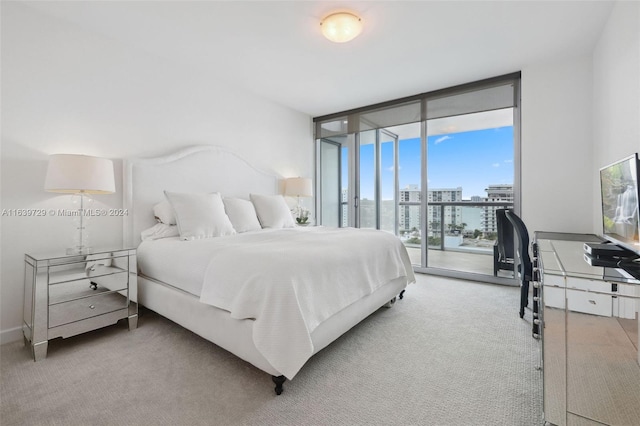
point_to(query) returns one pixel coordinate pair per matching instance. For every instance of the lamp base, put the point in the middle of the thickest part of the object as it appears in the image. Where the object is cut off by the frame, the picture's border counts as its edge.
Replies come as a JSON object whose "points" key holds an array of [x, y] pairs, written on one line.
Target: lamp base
{"points": [[80, 250]]}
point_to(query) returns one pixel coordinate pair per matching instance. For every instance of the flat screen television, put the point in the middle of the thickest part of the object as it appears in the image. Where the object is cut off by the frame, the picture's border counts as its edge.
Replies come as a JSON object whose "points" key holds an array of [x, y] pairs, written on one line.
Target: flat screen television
{"points": [[620, 203]]}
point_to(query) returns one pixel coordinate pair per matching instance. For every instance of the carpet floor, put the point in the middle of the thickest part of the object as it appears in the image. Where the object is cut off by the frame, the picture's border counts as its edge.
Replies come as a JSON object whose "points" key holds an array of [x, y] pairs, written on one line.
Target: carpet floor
{"points": [[451, 352]]}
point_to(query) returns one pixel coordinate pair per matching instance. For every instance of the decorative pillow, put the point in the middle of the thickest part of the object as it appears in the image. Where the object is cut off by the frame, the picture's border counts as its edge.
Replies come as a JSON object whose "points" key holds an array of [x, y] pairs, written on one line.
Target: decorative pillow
{"points": [[200, 215], [159, 230], [164, 213], [272, 211], [242, 214]]}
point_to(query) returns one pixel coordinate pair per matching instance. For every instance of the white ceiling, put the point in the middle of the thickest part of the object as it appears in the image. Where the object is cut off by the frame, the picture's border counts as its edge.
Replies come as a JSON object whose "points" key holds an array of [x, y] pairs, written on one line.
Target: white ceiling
{"points": [[275, 49]]}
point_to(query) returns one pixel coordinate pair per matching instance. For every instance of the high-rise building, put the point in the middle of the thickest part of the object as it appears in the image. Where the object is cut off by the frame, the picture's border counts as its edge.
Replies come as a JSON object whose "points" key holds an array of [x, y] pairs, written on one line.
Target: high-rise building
{"points": [[495, 193], [345, 208], [410, 215], [452, 214]]}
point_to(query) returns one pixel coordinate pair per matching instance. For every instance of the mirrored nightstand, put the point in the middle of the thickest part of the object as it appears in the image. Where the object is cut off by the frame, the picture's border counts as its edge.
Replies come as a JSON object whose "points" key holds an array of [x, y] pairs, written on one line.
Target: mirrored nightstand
{"points": [[65, 295]]}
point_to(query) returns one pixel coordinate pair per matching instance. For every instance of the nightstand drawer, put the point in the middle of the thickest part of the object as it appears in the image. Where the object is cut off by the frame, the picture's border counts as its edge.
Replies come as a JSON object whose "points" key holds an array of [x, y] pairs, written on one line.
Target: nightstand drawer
{"points": [[71, 290], [63, 273], [76, 310]]}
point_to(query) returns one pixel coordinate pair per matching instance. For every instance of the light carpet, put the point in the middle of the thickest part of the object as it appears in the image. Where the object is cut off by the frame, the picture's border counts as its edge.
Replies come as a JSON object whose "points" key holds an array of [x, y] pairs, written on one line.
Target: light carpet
{"points": [[450, 353]]}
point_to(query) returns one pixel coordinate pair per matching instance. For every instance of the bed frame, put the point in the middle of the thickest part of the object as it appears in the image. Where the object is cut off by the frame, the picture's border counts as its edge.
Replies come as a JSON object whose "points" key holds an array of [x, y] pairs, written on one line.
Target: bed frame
{"points": [[209, 168]]}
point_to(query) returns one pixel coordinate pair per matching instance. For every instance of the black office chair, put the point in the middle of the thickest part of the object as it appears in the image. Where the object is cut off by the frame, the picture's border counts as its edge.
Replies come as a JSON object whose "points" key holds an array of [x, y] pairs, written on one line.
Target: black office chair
{"points": [[503, 249], [525, 268]]}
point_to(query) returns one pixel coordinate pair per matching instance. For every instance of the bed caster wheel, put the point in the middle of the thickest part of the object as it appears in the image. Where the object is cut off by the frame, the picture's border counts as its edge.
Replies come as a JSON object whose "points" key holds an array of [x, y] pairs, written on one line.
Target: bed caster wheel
{"points": [[390, 303], [93, 285], [401, 295], [278, 380]]}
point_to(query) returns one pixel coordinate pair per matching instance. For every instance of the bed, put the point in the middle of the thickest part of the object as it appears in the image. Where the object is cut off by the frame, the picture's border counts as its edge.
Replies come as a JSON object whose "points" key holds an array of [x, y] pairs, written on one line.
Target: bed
{"points": [[273, 296]]}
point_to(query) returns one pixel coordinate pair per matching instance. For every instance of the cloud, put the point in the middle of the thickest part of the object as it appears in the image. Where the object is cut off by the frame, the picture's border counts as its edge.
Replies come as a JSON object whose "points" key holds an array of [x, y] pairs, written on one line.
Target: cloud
{"points": [[508, 161], [442, 139], [495, 165], [391, 168]]}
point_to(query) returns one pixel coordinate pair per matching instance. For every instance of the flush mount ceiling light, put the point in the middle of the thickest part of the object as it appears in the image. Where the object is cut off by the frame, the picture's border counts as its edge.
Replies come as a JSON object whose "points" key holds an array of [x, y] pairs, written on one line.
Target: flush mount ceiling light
{"points": [[341, 27]]}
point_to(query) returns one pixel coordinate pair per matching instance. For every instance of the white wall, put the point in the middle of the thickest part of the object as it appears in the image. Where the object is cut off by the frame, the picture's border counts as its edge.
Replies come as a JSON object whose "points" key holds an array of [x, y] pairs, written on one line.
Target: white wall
{"points": [[579, 114], [557, 145], [616, 84], [67, 90]]}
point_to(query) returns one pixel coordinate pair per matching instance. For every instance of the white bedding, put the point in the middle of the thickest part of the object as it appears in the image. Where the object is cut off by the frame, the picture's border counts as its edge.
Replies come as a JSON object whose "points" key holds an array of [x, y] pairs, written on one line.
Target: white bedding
{"points": [[181, 264], [288, 280]]}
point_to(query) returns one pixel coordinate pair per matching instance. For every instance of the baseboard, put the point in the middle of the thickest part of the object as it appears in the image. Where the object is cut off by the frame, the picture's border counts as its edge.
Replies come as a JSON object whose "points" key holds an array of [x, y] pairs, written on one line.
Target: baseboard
{"points": [[10, 335]]}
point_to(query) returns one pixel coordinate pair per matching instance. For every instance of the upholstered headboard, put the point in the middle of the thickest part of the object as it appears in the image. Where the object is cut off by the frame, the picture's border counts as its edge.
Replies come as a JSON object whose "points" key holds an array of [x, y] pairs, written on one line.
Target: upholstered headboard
{"points": [[203, 168]]}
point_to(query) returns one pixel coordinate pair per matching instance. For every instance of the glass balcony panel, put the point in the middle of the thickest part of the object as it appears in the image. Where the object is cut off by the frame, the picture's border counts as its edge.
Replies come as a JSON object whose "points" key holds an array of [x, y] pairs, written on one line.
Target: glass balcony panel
{"points": [[409, 230]]}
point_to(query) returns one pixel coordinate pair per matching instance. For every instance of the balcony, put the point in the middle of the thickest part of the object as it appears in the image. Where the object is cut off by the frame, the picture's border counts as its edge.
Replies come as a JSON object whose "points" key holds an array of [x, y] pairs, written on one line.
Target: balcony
{"points": [[460, 235]]}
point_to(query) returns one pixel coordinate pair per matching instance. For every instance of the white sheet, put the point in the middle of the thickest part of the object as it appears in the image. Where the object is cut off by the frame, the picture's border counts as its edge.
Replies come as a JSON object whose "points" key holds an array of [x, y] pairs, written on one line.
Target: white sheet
{"points": [[181, 264], [291, 280]]}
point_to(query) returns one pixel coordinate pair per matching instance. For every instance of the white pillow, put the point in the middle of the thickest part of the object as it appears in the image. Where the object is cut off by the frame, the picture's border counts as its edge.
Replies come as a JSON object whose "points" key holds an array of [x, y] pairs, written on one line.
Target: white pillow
{"points": [[242, 214], [164, 213], [159, 230], [272, 211], [200, 215]]}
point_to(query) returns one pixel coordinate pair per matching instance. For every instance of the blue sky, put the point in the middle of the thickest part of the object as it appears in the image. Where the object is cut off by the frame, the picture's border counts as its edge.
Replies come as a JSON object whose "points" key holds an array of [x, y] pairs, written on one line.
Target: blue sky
{"points": [[471, 160]]}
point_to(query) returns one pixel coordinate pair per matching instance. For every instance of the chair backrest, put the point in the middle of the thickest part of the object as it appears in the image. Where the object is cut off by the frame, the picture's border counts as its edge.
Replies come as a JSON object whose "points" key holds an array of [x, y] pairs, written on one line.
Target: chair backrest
{"points": [[505, 235], [523, 244]]}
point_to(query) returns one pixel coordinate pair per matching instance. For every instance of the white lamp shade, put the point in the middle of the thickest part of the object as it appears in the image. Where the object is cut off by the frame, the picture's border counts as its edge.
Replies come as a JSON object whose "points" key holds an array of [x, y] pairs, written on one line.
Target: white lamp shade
{"points": [[341, 27], [299, 187], [70, 174]]}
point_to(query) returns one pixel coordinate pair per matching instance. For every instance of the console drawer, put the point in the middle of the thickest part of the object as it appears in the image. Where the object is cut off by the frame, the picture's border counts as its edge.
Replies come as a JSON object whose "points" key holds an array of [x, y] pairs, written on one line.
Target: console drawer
{"points": [[581, 299], [553, 297]]}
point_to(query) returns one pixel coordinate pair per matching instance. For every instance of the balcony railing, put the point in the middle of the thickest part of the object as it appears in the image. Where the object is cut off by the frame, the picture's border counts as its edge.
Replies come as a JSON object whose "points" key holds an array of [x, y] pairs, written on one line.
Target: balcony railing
{"points": [[450, 245], [444, 222], [448, 224]]}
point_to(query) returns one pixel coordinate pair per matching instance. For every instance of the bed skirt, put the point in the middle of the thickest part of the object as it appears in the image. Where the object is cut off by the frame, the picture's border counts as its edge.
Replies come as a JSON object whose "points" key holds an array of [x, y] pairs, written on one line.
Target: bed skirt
{"points": [[234, 335]]}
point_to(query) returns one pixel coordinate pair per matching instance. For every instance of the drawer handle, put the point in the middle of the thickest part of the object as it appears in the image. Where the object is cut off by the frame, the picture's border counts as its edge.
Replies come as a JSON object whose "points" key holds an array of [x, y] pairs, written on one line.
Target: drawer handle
{"points": [[593, 302], [92, 306]]}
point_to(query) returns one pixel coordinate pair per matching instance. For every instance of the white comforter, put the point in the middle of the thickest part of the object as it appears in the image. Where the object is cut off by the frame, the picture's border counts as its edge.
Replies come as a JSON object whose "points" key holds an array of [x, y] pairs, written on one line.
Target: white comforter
{"points": [[291, 280]]}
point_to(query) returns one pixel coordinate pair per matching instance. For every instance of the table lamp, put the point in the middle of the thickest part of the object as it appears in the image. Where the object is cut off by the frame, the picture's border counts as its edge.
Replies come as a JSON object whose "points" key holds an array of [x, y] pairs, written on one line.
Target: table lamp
{"points": [[82, 175], [299, 187]]}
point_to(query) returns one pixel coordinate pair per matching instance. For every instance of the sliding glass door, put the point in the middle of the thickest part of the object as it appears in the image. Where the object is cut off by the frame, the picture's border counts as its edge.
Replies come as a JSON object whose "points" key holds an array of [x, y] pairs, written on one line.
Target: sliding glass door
{"points": [[329, 161], [470, 173], [376, 180]]}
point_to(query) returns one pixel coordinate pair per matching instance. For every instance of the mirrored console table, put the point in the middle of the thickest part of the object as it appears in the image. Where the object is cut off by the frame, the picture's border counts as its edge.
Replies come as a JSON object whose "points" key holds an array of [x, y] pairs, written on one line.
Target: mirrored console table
{"points": [[590, 334]]}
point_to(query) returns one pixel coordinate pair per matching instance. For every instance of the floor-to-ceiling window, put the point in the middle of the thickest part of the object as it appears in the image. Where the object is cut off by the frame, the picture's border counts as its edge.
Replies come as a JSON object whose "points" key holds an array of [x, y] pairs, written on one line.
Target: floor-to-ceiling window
{"points": [[431, 169]]}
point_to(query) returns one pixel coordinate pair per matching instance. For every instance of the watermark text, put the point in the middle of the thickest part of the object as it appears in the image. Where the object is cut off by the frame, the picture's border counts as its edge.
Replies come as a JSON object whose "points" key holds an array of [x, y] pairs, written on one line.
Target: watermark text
{"points": [[64, 212]]}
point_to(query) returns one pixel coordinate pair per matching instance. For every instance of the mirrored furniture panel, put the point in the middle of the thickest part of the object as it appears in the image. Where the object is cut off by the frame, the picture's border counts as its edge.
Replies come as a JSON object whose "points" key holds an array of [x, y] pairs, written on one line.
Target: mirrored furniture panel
{"points": [[65, 295], [590, 334]]}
